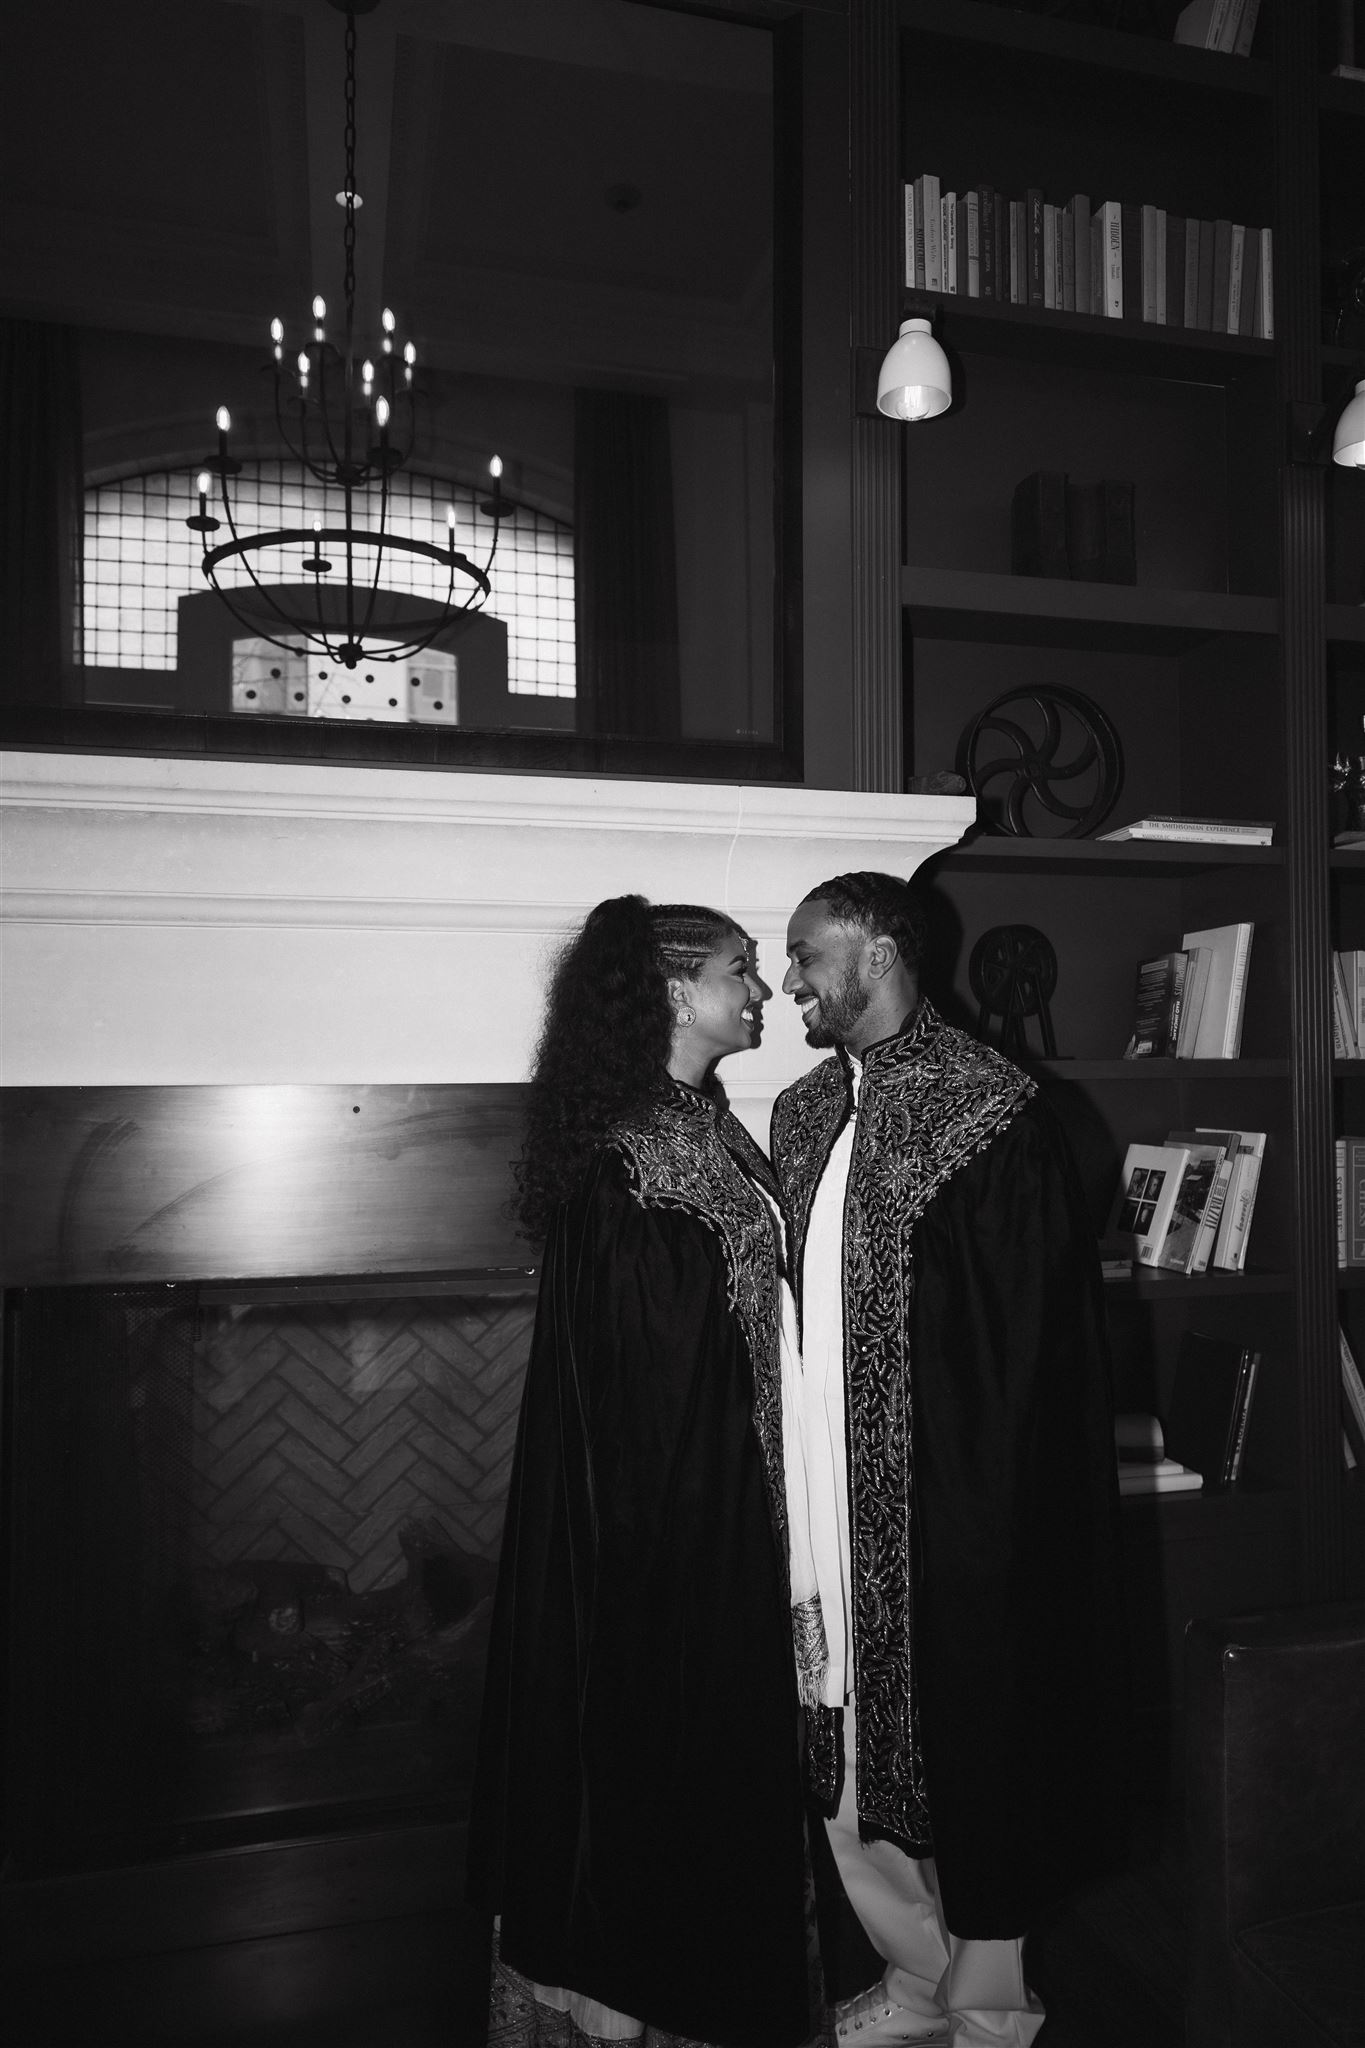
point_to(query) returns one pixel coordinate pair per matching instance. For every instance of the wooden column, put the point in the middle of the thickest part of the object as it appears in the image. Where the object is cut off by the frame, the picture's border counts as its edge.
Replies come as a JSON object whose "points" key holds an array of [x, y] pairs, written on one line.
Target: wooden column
{"points": [[1308, 827], [875, 184]]}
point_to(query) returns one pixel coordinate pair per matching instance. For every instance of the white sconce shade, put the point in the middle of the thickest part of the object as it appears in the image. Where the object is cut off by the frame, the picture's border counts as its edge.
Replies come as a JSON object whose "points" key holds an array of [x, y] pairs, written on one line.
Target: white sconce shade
{"points": [[914, 381], [1348, 442]]}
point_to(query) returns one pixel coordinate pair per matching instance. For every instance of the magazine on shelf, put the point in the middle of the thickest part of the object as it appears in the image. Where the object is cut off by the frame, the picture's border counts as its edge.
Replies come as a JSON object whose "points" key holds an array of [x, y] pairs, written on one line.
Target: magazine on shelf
{"points": [[1146, 1200]]}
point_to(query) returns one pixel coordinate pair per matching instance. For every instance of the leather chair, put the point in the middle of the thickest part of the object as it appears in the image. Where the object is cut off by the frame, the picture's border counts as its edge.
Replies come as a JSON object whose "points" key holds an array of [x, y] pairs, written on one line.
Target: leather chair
{"points": [[1275, 1795]]}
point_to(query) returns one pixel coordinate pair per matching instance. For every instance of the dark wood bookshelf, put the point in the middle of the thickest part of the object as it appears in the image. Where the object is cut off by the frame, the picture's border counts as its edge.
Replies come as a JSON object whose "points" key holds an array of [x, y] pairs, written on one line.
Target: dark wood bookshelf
{"points": [[1064, 42], [1171, 859], [1088, 340], [1229, 698], [976, 604]]}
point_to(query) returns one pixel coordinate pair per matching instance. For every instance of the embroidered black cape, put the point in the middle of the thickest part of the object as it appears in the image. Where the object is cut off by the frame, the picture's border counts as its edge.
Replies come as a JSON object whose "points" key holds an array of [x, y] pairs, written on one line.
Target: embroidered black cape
{"points": [[638, 1807], [988, 1652]]}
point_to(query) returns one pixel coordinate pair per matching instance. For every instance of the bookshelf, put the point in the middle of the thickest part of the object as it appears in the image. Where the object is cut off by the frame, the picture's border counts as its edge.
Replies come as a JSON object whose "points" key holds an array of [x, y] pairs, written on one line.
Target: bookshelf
{"points": [[1232, 668]]}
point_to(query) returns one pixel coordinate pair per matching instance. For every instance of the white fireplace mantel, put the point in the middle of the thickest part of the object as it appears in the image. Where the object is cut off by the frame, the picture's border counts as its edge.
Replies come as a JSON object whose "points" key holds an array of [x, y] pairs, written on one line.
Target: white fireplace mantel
{"points": [[177, 921]]}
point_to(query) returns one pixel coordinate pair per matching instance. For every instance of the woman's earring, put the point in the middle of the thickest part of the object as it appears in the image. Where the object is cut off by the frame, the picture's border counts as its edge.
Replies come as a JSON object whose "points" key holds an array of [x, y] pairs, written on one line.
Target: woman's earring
{"points": [[685, 1014]]}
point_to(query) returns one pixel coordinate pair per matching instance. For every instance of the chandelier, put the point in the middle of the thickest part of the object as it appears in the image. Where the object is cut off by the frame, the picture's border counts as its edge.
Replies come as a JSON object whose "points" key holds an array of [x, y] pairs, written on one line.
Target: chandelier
{"points": [[349, 423]]}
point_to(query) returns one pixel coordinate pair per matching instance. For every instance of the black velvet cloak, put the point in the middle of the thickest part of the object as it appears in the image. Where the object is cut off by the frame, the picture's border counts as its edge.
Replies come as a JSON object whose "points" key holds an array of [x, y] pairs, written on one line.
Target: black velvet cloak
{"points": [[638, 1806], [988, 1648]]}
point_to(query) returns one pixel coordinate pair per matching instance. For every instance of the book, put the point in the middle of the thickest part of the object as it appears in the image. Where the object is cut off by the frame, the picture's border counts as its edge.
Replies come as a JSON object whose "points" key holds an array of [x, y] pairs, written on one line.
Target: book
{"points": [[948, 230], [928, 197], [1034, 220], [1203, 314], [1146, 1198], [1205, 1423], [1068, 240], [1204, 23], [1051, 299], [985, 203], [1222, 275], [1085, 532], [1219, 831], [1157, 1003], [1251, 282], [1236, 260], [960, 246], [1354, 963], [1168, 1477], [1120, 531], [1350, 1166], [1018, 253], [1345, 1045], [1080, 226], [1265, 306], [973, 204], [1192, 1006], [1352, 1399], [1220, 1027], [914, 245], [1002, 246], [1151, 258], [1130, 245], [1230, 1245], [1246, 28], [1191, 272], [1176, 252], [1221, 1148], [1107, 264], [1176, 1253], [1038, 538]]}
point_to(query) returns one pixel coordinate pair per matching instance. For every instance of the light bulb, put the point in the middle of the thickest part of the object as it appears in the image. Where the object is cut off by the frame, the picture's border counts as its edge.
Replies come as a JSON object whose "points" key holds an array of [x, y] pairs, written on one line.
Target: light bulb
{"points": [[224, 420], [319, 308], [304, 365], [203, 483], [387, 321], [409, 354], [277, 330], [495, 466], [381, 411]]}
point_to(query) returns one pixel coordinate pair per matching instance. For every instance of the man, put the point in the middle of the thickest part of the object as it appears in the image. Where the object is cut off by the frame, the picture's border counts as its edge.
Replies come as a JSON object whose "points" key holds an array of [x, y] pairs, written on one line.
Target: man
{"points": [[959, 1481]]}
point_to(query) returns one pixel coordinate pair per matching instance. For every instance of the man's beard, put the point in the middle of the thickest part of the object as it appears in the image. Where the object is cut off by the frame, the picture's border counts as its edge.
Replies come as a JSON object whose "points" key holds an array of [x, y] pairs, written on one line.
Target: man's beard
{"points": [[838, 1012]]}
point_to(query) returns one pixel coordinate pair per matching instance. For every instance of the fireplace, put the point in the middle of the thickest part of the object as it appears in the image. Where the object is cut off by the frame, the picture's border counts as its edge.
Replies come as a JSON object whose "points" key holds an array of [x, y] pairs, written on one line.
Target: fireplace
{"points": [[256, 1532]]}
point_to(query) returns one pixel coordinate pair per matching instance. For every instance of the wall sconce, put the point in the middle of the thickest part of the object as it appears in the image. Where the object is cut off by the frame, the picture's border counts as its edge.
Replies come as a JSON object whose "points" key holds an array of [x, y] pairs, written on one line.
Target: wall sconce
{"points": [[914, 382], [1311, 431], [1348, 441]]}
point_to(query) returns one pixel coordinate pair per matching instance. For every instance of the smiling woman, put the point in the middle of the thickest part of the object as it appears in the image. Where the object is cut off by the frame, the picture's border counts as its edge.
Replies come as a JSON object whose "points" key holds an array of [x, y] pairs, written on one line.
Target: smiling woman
{"points": [[641, 1671]]}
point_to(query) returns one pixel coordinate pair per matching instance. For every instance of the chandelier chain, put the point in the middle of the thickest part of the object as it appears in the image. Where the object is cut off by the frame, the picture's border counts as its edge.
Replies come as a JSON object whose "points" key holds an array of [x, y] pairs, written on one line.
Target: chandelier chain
{"points": [[349, 187]]}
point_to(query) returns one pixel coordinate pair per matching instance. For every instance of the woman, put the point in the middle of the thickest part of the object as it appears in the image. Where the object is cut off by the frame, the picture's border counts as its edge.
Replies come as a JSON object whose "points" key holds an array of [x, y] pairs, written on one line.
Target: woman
{"points": [[637, 1819]]}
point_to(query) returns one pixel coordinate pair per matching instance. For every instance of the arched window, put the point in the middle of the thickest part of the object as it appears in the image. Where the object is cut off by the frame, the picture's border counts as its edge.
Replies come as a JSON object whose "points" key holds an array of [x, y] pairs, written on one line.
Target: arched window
{"points": [[140, 557]]}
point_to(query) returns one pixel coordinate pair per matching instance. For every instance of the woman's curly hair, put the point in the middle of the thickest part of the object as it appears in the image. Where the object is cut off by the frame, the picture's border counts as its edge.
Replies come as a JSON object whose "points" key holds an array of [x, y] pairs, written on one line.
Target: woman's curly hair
{"points": [[605, 1039]]}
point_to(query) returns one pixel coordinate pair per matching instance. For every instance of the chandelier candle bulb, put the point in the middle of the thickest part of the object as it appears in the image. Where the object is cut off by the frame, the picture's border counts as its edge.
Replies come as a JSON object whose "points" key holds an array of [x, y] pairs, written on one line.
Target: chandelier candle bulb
{"points": [[277, 337], [367, 377], [319, 315], [224, 423], [388, 323]]}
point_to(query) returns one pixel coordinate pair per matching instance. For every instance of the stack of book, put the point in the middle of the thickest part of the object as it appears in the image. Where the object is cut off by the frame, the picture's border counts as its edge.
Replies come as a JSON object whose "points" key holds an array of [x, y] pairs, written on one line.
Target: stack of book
{"points": [[1185, 1205], [1227, 25], [1143, 1464], [1116, 260], [1190, 1002], [1197, 831], [1348, 1005]]}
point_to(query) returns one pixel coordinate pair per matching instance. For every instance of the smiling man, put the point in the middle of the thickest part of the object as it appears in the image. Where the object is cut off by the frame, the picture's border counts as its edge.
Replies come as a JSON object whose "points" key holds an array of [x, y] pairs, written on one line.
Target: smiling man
{"points": [[959, 1481]]}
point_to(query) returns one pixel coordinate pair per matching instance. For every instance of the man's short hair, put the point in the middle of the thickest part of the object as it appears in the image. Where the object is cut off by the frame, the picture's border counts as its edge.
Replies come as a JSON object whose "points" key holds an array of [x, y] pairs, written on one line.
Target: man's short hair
{"points": [[879, 905]]}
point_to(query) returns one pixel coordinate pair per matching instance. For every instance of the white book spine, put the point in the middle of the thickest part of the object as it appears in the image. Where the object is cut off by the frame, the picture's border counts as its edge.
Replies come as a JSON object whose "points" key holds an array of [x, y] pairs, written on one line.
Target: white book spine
{"points": [[1266, 282], [1050, 257], [973, 246], [909, 237], [1248, 1179], [948, 211]]}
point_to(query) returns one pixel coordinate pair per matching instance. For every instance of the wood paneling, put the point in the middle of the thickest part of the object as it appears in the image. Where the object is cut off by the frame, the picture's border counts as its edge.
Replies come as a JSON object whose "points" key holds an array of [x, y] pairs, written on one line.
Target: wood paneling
{"points": [[137, 1184]]}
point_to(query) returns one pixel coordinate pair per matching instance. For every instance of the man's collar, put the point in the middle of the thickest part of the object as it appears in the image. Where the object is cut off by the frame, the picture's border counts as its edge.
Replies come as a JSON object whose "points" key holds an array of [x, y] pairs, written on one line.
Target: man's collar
{"points": [[918, 1017]]}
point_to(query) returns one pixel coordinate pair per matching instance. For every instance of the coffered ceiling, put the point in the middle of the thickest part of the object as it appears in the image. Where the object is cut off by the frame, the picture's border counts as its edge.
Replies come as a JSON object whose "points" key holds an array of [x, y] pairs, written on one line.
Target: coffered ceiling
{"points": [[560, 189]]}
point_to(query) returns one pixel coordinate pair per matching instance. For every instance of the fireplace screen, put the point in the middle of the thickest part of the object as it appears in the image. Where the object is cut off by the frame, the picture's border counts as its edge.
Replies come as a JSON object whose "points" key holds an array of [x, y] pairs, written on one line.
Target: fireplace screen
{"points": [[253, 1543]]}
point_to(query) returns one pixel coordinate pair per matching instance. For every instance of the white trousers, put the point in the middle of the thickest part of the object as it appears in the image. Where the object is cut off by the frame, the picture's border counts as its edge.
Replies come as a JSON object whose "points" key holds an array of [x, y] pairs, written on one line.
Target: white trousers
{"points": [[929, 1971]]}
